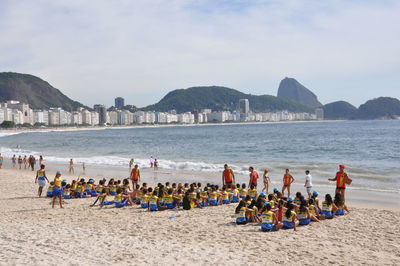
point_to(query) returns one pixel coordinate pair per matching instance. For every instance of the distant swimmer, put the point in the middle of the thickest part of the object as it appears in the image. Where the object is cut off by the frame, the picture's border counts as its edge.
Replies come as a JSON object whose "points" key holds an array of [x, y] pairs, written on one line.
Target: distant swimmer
{"points": [[25, 161], [1, 160], [342, 179], [41, 179], [135, 176], [266, 180], [228, 177], [71, 167], [287, 182], [253, 180]]}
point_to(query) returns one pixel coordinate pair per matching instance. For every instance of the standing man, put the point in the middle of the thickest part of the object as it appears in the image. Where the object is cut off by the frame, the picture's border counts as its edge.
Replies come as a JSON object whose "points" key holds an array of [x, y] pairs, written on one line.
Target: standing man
{"points": [[41, 179], [341, 179], [135, 176], [228, 177], [287, 182], [308, 184], [32, 162], [253, 177]]}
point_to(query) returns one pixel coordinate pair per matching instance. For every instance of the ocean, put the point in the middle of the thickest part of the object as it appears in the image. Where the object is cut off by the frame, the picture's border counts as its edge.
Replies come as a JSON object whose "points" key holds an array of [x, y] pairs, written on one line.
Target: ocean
{"points": [[370, 149]]}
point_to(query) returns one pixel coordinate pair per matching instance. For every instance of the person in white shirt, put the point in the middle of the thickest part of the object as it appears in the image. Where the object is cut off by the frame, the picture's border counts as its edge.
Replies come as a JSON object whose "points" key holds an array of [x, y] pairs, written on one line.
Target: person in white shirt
{"points": [[308, 183]]}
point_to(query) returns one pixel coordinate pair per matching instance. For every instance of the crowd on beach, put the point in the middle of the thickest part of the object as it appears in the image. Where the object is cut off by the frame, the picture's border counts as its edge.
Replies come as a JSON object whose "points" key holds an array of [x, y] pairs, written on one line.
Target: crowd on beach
{"points": [[273, 210]]}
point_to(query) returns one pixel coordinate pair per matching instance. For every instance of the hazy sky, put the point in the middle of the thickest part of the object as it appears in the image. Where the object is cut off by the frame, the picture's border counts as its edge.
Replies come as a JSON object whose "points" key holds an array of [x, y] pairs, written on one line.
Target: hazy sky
{"points": [[94, 51]]}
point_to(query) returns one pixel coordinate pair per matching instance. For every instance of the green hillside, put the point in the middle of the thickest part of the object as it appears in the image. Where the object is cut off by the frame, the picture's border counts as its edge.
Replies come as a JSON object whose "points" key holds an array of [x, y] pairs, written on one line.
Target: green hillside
{"points": [[339, 110], [221, 98], [30, 89], [382, 107]]}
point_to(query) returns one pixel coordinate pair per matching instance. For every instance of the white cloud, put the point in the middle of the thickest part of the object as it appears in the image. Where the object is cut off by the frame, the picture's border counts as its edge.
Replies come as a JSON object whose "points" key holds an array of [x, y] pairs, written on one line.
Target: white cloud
{"points": [[96, 50]]}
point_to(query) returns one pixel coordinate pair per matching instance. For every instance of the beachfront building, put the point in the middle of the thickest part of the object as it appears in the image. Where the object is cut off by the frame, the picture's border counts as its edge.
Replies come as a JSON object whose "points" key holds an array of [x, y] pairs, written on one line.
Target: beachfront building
{"points": [[319, 113], [244, 109], [102, 110], [119, 102], [41, 117]]}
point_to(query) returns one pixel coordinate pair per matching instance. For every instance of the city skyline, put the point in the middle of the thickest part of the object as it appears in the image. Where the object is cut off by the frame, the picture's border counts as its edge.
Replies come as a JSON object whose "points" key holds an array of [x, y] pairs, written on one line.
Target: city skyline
{"points": [[341, 50]]}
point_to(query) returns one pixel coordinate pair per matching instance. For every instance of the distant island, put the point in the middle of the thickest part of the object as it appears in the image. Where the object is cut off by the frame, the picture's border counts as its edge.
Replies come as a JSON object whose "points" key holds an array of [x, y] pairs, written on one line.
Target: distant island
{"points": [[27, 99]]}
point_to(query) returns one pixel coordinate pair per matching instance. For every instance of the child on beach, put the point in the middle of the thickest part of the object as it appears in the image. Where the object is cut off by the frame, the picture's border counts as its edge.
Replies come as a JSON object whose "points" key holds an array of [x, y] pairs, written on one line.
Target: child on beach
{"points": [[252, 191], [290, 218], [269, 221], [266, 181], [49, 193], [328, 207], [243, 191], [57, 190], [341, 206]]}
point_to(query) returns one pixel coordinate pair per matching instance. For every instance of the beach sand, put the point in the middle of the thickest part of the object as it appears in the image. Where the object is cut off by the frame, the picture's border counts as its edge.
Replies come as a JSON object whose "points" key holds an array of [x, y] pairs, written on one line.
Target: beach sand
{"points": [[33, 233]]}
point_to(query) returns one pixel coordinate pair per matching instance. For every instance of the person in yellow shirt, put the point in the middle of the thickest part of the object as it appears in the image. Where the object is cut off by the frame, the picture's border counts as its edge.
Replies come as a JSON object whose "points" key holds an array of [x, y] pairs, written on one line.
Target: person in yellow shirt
{"points": [[243, 192], [57, 190], [67, 191], [269, 221], [41, 179], [235, 194], [290, 218]]}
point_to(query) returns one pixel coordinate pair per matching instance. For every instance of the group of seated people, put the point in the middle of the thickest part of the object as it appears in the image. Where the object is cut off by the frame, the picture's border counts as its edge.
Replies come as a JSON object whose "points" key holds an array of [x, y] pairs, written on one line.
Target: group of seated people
{"points": [[161, 197], [274, 212]]}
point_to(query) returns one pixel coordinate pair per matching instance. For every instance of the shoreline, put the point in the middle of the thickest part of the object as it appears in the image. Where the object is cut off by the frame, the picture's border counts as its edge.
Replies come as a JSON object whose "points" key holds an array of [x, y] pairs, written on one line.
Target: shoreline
{"points": [[74, 128]]}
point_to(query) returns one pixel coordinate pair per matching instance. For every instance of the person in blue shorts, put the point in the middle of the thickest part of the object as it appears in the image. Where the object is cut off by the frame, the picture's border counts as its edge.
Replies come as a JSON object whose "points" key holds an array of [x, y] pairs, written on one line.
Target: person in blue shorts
{"points": [[57, 190], [328, 207], [290, 218], [269, 221], [41, 179], [341, 206]]}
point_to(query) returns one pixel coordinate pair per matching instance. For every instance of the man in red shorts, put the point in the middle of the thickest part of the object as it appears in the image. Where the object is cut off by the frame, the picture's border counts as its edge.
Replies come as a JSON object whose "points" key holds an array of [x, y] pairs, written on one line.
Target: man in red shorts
{"points": [[135, 176], [228, 177], [341, 179], [253, 177]]}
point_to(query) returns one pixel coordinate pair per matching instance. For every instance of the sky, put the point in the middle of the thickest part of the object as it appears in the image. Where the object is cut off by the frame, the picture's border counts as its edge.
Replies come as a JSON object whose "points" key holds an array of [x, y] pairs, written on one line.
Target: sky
{"points": [[94, 51]]}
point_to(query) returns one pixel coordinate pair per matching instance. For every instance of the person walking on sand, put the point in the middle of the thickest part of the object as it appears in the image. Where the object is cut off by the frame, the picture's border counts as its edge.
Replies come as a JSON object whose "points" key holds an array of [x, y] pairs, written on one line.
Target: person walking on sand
{"points": [[131, 162], [1, 160], [308, 183], [287, 182], [253, 180], [41, 179], [41, 160], [135, 176], [32, 162], [266, 180], [57, 190], [342, 179], [14, 161], [151, 161], [25, 160], [155, 164], [228, 177], [71, 167], [20, 162]]}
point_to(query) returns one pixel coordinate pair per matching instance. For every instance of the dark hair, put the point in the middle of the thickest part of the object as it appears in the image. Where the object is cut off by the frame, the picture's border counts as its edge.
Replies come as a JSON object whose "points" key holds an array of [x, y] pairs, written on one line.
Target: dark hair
{"points": [[288, 212], [311, 201], [243, 185], [270, 197], [307, 172], [338, 199], [303, 206], [119, 191], [252, 186], [267, 207], [252, 204], [125, 181], [298, 194], [260, 203], [240, 205], [150, 189], [170, 191], [328, 199]]}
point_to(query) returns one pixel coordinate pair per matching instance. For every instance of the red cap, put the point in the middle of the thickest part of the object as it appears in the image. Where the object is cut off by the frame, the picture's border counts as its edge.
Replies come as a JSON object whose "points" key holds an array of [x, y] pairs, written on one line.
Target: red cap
{"points": [[342, 166], [266, 170]]}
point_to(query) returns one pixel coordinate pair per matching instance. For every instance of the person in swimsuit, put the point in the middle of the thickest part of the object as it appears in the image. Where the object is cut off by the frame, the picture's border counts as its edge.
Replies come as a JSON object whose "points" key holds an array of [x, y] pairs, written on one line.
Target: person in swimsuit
{"points": [[20, 162], [71, 167], [341, 179], [14, 161], [25, 160], [287, 182], [135, 176], [266, 180], [57, 190], [1, 161]]}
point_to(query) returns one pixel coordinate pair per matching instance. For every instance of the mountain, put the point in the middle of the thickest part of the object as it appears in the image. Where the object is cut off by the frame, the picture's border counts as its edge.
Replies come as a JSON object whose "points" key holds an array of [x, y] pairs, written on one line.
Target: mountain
{"points": [[382, 107], [289, 88], [221, 98], [32, 90], [339, 110]]}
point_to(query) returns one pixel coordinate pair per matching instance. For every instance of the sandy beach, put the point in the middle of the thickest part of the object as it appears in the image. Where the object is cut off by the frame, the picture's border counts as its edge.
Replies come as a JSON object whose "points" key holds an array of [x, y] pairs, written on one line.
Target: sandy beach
{"points": [[34, 233]]}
